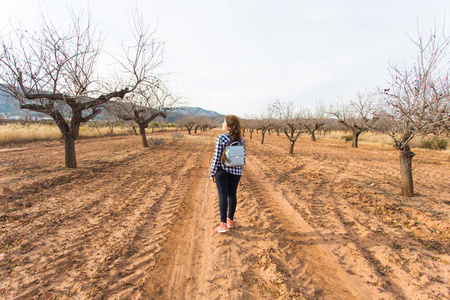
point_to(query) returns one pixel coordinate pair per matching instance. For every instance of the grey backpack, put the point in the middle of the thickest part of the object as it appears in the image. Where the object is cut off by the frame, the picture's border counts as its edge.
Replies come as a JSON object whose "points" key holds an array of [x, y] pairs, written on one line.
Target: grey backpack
{"points": [[234, 155]]}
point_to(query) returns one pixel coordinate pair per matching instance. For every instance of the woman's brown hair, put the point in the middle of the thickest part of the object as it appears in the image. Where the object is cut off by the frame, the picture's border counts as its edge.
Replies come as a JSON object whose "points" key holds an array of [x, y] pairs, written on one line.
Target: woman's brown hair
{"points": [[234, 129]]}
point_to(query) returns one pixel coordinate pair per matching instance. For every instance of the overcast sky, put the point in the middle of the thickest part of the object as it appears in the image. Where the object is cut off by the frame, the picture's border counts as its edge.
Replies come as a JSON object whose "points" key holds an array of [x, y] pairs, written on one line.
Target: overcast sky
{"points": [[237, 56]]}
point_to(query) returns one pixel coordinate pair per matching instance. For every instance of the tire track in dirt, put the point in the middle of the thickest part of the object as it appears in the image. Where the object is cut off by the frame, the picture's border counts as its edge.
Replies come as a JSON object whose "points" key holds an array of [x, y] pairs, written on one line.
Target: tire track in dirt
{"points": [[272, 252], [365, 243], [117, 221], [151, 235], [336, 197], [326, 208], [362, 235], [77, 236], [320, 201], [175, 275], [199, 263], [321, 275]]}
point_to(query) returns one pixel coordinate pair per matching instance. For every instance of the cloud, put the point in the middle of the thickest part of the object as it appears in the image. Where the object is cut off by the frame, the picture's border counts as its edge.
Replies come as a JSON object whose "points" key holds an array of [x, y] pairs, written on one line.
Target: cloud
{"points": [[236, 56]]}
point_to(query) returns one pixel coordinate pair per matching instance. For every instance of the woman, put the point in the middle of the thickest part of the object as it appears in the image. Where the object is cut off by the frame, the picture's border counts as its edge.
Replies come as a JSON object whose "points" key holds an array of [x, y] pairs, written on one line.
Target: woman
{"points": [[227, 178]]}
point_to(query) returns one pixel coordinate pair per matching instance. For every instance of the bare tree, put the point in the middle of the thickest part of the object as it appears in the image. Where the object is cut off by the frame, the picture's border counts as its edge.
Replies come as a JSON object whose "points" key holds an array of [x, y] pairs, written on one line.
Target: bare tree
{"points": [[188, 121], [198, 124], [444, 118], [358, 116], [290, 121], [205, 123], [314, 120], [248, 124], [417, 99], [52, 71], [110, 120], [263, 122], [445, 123], [143, 106], [277, 125]]}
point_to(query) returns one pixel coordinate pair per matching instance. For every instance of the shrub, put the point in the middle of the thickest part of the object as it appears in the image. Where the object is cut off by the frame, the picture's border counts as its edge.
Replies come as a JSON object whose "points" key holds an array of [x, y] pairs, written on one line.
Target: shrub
{"points": [[156, 142], [434, 144], [347, 138], [177, 135]]}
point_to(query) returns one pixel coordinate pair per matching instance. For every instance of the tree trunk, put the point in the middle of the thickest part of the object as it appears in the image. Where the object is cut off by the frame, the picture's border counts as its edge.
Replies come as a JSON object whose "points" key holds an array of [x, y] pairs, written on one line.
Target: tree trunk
{"points": [[406, 172], [355, 138], [291, 148], [251, 134], [262, 139], [69, 147], [143, 135], [313, 136]]}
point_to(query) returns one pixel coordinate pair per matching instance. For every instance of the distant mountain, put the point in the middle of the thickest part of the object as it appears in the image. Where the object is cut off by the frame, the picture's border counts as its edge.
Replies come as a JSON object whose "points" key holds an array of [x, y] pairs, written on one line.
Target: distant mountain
{"points": [[9, 108], [197, 111], [180, 112], [7, 105]]}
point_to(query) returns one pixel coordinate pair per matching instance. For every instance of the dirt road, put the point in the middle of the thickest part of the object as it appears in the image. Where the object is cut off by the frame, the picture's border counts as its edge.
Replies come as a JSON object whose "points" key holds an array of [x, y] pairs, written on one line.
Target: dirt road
{"points": [[129, 223]]}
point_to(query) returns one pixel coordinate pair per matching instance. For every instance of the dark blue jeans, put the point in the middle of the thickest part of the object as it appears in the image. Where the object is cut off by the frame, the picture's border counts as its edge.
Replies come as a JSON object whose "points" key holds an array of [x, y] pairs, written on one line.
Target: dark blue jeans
{"points": [[227, 184]]}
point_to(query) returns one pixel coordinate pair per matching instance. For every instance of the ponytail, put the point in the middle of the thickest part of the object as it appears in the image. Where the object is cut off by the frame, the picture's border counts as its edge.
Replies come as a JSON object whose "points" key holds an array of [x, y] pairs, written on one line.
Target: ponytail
{"points": [[234, 129]]}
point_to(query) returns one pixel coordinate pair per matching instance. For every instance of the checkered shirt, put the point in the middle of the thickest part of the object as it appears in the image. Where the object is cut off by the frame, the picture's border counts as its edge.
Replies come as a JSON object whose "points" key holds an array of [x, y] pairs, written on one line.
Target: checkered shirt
{"points": [[221, 142]]}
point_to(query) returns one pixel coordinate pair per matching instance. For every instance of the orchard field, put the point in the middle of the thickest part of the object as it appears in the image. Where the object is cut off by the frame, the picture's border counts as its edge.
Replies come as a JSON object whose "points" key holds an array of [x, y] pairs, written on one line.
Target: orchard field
{"points": [[131, 222]]}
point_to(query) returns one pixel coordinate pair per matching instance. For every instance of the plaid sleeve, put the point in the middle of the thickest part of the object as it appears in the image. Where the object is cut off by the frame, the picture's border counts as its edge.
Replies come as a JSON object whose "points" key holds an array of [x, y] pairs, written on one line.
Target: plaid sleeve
{"points": [[217, 154], [245, 152]]}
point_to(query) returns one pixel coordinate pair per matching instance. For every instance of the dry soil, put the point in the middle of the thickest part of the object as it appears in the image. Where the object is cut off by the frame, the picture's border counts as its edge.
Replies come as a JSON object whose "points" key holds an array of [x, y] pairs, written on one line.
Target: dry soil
{"points": [[140, 223]]}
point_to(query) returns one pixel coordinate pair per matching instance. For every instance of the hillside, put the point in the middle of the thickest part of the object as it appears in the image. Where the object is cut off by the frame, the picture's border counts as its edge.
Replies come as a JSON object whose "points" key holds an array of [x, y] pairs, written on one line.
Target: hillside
{"points": [[215, 117], [198, 111], [7, 106], [9, 109]]}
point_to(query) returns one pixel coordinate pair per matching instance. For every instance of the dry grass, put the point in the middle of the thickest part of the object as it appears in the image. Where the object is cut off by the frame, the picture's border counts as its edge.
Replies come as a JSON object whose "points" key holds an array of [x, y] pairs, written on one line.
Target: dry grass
{"points": [[19, 133], [371, 138], [29, 132], [366, 137], [90, 130]]}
